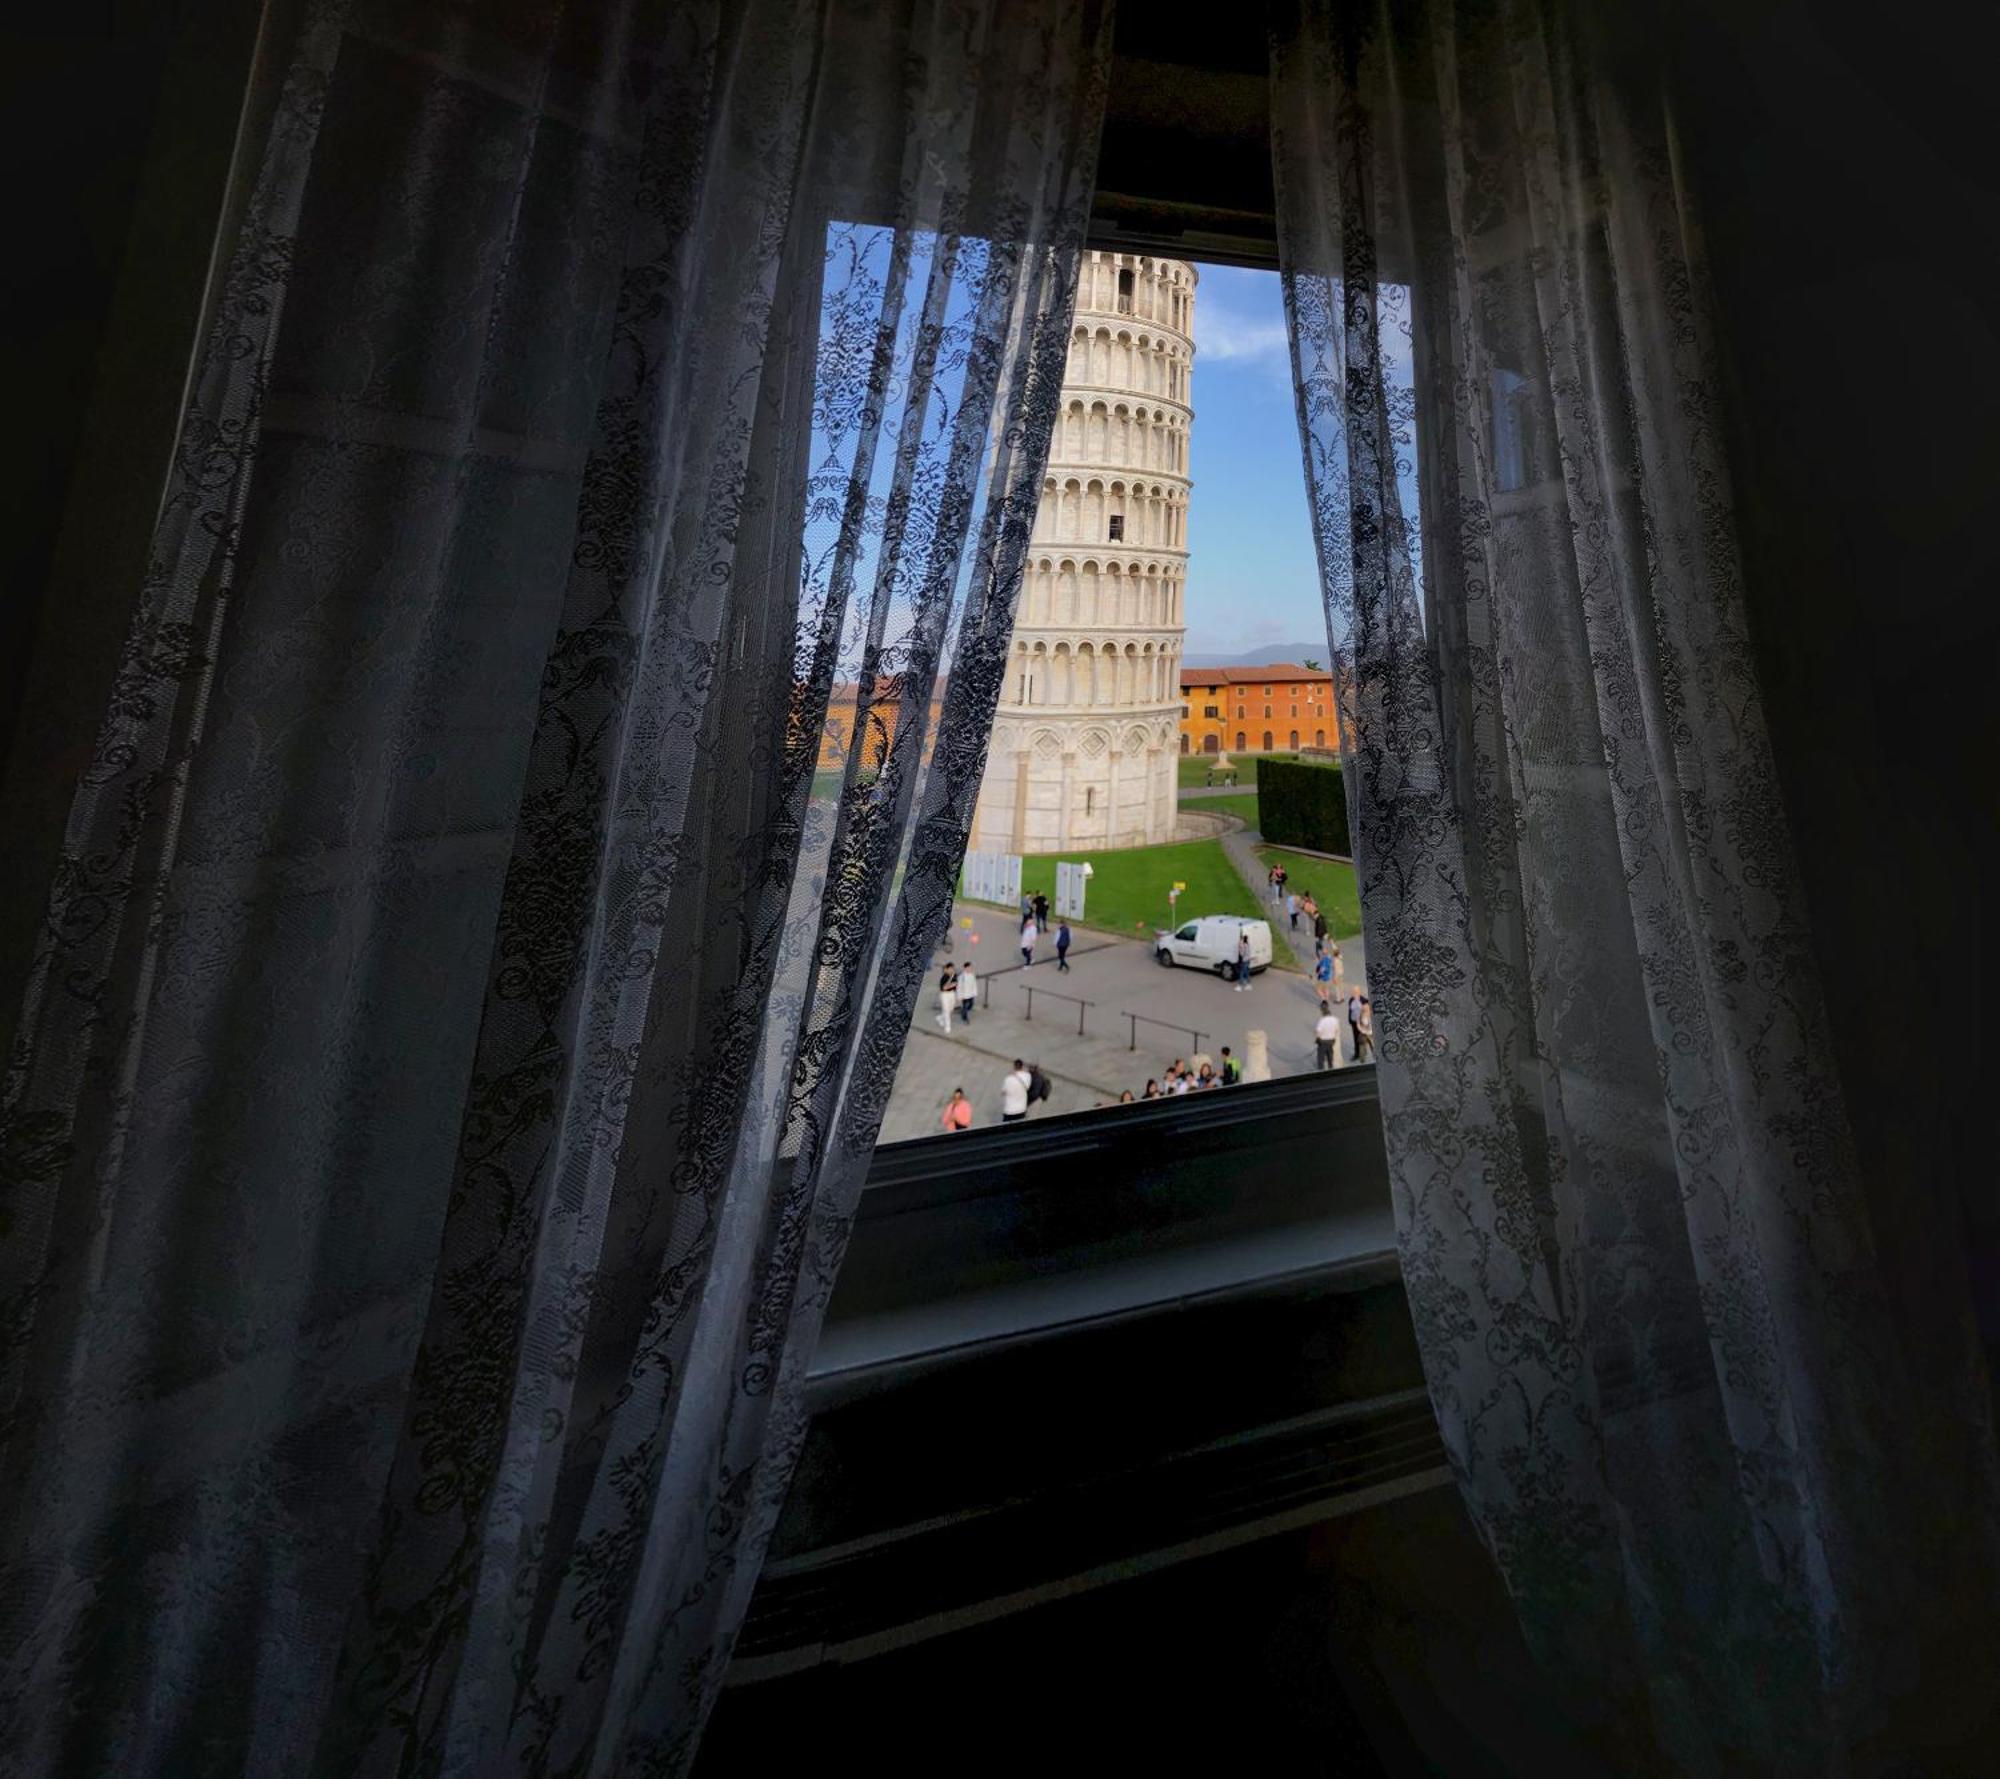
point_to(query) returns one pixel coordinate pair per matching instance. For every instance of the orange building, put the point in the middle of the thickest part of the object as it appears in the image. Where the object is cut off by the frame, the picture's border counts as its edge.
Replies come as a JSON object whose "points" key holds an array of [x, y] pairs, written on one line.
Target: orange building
{"points": [[836, 735], [1257, 710]]}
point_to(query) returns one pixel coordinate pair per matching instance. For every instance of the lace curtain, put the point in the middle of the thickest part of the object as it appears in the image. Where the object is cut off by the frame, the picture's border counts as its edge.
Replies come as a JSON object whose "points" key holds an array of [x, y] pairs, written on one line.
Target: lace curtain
{"points": [[1731, 1514], [469, 998]]}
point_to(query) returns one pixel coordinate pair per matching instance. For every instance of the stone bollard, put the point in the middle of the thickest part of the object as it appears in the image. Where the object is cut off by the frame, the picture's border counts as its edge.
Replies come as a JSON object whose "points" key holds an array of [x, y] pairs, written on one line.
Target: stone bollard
{"points": [[1256, 1057]]}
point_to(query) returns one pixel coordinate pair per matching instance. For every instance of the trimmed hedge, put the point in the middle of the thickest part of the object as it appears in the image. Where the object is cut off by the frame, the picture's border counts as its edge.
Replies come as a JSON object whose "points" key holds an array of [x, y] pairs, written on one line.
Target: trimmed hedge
{"points": [[1303, 805]]}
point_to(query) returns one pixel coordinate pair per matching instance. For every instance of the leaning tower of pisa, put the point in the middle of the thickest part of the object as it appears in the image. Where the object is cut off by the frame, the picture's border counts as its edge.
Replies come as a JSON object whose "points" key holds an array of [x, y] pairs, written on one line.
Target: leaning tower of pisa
{"points": [[1087, 732]]}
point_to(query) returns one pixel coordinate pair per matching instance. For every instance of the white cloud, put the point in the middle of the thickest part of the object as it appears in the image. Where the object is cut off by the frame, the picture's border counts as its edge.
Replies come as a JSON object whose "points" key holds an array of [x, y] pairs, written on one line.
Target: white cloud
{"points": [[1221, 334]]}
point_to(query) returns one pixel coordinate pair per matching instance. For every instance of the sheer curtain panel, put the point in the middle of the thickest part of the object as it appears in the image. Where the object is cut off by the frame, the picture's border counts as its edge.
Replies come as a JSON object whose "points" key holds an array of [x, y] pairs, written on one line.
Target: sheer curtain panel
{"points": [[469, 996], [1736, 1519]]}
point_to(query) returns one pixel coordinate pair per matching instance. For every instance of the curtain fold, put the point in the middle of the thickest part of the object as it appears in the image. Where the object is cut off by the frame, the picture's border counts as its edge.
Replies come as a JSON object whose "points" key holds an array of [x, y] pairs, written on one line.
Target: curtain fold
{"points": [[1733, 1516], [472, 986]]}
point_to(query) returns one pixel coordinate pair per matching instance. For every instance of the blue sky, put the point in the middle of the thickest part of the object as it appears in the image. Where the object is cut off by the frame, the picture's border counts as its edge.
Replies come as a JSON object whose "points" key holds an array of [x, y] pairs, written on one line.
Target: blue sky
{"points": [[1252, 579]]}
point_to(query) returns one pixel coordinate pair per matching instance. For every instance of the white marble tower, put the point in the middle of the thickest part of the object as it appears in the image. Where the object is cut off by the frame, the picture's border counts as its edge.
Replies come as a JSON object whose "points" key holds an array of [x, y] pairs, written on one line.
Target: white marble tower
{"points": [[1088, 728]]}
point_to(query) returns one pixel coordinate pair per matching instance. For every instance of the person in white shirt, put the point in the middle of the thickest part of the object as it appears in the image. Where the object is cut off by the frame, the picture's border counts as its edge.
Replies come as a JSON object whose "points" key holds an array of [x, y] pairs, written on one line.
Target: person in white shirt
{"points": [[1014, 1094], [968, 992], [1326, 1038], [1029, 934]]}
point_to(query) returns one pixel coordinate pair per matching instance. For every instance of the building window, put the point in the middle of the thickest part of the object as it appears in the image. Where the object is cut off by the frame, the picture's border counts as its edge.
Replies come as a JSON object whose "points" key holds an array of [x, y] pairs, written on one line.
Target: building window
{"points": [[1124, 293], [1242, 741], [1210, 710], [1267, 710], [1089, 800], [1185, 747], [1295, 738], [1319, 738], [1267, 741], [1210, 744], [1117, 528]]}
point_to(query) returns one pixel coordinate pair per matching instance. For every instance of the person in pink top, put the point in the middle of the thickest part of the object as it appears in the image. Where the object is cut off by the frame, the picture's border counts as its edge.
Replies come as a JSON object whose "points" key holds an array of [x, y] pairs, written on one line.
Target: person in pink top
{"points": [[958, 1112]]}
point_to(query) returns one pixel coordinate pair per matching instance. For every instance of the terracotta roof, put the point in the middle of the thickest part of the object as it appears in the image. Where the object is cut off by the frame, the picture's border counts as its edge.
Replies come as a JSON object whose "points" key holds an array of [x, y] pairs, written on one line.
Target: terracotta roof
{"points": [[1278, 672]]}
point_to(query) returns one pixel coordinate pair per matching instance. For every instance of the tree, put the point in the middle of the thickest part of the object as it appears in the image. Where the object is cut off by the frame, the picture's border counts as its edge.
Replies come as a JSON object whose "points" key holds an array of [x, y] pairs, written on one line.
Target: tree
{"points": [[1310, 665]]}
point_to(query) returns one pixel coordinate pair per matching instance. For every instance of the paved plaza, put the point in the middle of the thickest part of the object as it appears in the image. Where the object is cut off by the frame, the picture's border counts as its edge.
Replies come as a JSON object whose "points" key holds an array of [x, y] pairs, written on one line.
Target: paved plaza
{"points": [[1138, 1018]]}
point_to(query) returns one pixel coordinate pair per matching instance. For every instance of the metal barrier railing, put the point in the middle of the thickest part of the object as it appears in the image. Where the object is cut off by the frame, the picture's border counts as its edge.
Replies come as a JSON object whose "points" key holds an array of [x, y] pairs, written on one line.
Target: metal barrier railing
{"points": [[1082, 1006], [1165, 1025]]}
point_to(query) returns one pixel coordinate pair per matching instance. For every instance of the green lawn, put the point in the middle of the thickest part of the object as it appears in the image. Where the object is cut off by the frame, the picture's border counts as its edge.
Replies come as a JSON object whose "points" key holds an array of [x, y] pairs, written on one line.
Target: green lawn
{"points": [[1331, 883], [1246, 807], [1128, 893], [1194, 767]]}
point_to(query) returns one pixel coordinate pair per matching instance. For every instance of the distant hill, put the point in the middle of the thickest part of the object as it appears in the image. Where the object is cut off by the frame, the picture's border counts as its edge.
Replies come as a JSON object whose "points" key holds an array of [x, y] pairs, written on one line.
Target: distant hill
{"points": [[1282, 651]]}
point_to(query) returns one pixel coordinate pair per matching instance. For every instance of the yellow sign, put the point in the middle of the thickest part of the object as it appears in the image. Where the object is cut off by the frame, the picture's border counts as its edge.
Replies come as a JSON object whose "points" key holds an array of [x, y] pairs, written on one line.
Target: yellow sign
{"points": [[1179, 887]]}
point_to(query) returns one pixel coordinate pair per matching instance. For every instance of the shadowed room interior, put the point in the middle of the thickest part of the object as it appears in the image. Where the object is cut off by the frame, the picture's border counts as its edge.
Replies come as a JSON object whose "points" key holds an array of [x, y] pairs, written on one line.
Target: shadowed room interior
{"points": [[1042, 1514]]}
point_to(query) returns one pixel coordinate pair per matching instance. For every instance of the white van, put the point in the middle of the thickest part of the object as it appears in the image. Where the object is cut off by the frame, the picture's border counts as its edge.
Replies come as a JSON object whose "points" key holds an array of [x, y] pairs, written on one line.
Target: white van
{"points": [[1209, 943]]}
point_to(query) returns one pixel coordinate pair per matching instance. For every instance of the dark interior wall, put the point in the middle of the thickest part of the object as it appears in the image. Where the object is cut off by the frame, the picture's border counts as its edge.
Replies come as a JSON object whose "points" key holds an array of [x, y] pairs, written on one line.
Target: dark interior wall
{"points": [[1848, 184], [119, 122]]}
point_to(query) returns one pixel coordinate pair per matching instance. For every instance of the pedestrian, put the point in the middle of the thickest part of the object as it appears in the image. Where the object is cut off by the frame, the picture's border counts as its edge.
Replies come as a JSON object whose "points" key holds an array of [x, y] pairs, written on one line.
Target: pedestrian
{"points": [[958, 1111], [1062, 948], [947, 999], [1205, 1079], [1242, 960], [1364, 1032], [1041, 911], [1292, 909], [1271, 877], [1319, 929], [1029, 934], [1326, 1038], [1322, 974], [1125, 1098], [1038, 1084], [968, 991], [1014, 1093], [1232, 1070], [1333, 956], [1152, 1089], [1182, 1083], [1027, 905], [1354, 1020]]}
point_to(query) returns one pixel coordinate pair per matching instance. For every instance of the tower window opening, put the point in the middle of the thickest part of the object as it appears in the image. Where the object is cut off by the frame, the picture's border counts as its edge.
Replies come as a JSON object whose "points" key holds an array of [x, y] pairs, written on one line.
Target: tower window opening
{"points": [[1124, 293], [1117, 528]]}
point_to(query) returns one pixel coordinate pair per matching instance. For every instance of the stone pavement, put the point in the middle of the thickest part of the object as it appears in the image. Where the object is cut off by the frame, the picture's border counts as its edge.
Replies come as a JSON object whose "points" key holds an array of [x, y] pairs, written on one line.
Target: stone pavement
{"points": [[1115, 1050]]}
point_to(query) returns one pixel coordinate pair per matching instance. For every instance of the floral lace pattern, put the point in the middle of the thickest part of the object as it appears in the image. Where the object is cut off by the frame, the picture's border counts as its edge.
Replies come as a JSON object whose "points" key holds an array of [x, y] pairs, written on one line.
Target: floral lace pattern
{"points": [[467, 1004], [1631, 1230]]}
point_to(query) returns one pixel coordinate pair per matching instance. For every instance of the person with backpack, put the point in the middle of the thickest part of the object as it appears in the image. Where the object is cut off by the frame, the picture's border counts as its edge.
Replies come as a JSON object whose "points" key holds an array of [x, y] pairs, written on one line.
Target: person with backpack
{"points": [[1232, 1070], [1014, 1093], [1038, 1084], [1322, 974]]}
